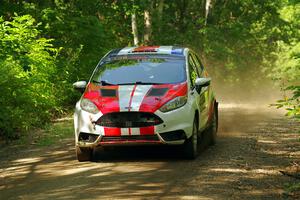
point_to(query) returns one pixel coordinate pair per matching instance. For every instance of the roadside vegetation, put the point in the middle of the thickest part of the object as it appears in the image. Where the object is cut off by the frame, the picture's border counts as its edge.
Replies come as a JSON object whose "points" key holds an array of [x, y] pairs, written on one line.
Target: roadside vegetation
{"points": [[47, 45], [51, 134]]}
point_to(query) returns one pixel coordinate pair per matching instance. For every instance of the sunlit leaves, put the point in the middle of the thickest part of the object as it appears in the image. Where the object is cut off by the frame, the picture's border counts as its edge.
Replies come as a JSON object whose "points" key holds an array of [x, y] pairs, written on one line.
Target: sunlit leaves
{"points": [[286, 69], [27, 63]]}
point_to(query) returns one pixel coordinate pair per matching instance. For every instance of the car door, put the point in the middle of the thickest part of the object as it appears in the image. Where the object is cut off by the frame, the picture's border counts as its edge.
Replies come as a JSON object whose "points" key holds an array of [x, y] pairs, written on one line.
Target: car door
{"points": [[204, 93], [193, 75]]}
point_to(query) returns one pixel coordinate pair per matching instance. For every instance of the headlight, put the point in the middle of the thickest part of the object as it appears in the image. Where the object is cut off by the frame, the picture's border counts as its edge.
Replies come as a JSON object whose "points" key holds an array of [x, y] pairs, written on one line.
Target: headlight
{"points": [[88, 106], [174, 104]]}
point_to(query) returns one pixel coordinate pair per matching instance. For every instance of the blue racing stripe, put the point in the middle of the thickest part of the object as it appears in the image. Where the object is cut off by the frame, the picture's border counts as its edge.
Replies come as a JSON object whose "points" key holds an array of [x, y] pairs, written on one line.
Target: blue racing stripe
{"points": [[177, 51]]}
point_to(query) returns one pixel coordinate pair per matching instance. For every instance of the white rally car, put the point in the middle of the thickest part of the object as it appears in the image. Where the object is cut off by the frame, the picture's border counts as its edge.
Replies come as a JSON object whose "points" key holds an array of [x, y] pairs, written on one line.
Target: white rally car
{"points": [[146, 95]]}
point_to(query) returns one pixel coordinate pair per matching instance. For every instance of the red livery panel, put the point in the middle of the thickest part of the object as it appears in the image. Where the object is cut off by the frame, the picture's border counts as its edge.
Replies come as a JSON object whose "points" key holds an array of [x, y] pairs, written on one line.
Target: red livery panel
{"points": [[153, 103]]}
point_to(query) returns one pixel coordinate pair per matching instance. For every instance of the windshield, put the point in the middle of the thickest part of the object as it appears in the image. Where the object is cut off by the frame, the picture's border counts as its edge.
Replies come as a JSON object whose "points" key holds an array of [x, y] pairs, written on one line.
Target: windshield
{"points": [[141, 69]]}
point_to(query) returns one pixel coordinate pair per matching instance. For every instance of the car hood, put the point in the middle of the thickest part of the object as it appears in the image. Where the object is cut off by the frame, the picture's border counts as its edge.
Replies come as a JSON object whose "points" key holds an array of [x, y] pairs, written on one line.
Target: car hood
{"points": [[133, 98]]}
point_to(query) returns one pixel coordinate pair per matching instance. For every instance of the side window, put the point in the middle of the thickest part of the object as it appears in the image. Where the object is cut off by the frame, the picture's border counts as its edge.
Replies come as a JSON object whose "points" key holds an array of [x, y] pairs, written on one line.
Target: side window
{"points": [[199, 65], [192, 70]]}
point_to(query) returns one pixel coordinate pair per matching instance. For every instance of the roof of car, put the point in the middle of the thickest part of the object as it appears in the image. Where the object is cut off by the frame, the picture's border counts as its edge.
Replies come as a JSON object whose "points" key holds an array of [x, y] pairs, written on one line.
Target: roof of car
{"points": [[169, 50]]}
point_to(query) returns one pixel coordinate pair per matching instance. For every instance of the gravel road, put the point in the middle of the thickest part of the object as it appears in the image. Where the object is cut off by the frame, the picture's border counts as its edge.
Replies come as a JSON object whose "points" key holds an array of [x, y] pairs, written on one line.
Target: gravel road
{"points": [[253, 145]]}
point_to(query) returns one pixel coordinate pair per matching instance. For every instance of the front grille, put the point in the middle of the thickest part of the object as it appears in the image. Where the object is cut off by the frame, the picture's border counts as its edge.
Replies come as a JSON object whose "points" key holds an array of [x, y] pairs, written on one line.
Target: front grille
{"points": [[129, 119], [130, 138]]}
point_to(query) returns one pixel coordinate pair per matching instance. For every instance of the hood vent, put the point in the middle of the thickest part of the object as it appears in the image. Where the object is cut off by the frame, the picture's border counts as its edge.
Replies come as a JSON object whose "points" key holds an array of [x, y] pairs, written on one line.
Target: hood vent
{"points": [[108, 93], [157, 92]]}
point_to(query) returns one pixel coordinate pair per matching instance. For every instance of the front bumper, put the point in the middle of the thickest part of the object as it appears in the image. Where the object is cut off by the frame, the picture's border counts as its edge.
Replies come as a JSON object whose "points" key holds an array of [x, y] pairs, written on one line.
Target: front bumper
{"points": [[176, 127], [131, 140]]}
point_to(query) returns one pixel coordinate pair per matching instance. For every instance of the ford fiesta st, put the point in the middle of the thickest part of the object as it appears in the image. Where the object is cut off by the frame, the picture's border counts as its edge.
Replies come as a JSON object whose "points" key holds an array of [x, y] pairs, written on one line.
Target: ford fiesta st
{"points": [[146, 96]]}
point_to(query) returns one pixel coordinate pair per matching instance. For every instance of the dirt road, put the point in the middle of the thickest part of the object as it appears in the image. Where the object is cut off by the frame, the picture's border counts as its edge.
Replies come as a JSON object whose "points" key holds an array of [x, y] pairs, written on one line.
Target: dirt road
{"points": [[253, 145]]}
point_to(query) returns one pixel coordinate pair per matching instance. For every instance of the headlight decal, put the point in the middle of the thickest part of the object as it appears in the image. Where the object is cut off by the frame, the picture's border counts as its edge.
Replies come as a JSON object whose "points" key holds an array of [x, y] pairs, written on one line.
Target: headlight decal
{"points": [[173, 104], [88, 106]]}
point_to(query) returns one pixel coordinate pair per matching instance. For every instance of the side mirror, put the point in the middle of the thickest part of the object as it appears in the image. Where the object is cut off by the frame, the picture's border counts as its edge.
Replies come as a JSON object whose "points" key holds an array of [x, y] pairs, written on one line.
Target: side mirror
{"points": [[202, 82], [80, 86]]}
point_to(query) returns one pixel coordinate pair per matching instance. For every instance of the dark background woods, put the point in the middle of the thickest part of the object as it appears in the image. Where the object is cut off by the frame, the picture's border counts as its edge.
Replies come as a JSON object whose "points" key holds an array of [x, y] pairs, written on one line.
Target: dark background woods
{"points": [[250, 47]]}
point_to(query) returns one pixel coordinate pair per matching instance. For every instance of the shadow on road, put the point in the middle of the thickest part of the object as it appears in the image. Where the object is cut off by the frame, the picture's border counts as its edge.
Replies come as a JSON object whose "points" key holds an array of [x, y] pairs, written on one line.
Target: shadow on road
{"points": [[240, 166]]}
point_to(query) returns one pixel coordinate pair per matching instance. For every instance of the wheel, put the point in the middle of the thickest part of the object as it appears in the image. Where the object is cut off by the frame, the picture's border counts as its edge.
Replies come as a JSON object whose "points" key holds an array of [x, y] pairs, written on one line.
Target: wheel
{"points": [[191, 144], [201, 142], [212, 130], [84, 154]]}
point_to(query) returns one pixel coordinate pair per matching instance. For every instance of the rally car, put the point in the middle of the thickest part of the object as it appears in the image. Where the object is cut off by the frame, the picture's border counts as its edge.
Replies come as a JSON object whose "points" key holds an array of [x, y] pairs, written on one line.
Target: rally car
{"points": [[154, 95]]}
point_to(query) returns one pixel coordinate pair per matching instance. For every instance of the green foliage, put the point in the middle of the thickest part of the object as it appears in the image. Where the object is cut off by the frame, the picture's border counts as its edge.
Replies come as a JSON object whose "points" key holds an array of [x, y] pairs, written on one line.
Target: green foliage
{"points": [[242, 43], [38, 81], [27, 64], [293, 188], [291, 103], [286, 68]]}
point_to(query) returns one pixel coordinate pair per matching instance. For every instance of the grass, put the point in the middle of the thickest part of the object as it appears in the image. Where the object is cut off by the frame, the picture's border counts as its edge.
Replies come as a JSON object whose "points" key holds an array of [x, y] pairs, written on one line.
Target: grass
{"points": [[293, 189], [55, 132], [51, 134]]}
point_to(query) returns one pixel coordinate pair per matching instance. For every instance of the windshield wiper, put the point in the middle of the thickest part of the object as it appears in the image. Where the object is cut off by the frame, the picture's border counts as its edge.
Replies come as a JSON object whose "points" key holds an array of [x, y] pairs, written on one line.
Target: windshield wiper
{"points": [[140, 83], [103, 83]]}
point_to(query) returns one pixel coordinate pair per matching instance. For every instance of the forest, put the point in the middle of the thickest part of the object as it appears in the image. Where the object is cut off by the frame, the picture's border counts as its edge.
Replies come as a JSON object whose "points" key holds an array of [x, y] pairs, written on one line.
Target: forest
{"points": [[251, 47]]}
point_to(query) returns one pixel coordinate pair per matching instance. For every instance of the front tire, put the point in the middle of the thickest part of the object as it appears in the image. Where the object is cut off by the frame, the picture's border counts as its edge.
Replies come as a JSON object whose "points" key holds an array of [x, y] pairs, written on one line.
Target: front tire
{"points": [[84, 154], [191, 144], [213, 128]]}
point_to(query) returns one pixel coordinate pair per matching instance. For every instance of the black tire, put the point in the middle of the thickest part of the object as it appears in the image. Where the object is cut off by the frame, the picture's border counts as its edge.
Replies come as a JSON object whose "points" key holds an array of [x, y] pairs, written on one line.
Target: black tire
{"points": [[84, 154], [190, 147], [201, 142], [213, 128]]}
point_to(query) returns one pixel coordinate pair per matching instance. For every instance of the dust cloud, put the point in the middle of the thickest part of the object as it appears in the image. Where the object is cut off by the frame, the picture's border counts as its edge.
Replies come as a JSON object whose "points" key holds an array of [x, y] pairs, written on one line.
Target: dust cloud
{"points": [[240, 90]]}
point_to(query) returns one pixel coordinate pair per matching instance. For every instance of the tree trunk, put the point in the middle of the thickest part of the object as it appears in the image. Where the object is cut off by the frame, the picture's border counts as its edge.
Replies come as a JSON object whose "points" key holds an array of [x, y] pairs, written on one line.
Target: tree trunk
{"points": [[134, 29], [207, 7], [148, 28]]}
